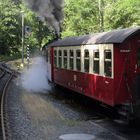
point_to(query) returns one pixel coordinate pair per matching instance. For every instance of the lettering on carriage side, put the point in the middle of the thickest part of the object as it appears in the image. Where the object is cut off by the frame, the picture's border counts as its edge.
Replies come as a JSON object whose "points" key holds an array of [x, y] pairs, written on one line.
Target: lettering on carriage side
{"points": [[74, 77], [125, 51]]}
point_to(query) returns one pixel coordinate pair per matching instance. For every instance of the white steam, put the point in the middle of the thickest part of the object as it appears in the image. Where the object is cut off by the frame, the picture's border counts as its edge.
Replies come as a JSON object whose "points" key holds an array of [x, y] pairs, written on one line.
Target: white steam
{"points": [[35, 78], [50, 10]]}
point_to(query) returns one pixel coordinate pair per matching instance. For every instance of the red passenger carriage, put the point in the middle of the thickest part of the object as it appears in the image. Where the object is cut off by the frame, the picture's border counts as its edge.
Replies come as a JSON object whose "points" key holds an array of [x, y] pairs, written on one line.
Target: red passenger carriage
{"points": [[104, 66]]}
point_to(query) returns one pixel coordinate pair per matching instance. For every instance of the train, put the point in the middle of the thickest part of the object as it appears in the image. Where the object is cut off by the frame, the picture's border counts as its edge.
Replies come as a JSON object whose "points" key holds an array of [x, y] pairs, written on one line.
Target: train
{"points": [[104, 66]]}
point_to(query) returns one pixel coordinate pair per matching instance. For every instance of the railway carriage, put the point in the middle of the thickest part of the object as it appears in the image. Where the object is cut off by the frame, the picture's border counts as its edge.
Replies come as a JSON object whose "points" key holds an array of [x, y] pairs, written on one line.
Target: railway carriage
{"points": [[104, 66]]}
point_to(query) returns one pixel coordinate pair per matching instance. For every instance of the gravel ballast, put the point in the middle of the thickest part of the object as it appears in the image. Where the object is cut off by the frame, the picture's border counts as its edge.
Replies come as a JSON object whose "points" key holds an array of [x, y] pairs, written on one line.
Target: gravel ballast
{"points": [[37, 116]]}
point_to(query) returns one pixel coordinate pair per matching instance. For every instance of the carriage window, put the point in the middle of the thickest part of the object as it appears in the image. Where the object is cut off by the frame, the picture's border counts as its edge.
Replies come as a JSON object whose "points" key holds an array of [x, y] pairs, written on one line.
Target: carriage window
{"points": [[65, 59], [71, 59], [55, 58], [107, 63], [96, 61], [86, 61], [60, 58], [138, 57], [78, 60]]}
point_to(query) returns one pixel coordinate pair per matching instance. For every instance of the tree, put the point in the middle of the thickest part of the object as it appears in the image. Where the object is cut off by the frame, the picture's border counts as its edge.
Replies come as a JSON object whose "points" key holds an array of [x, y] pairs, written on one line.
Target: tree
{"points": [[86, 16], [9, 25], [122, 14], [11, 28], [40, 31], [81, 17]]}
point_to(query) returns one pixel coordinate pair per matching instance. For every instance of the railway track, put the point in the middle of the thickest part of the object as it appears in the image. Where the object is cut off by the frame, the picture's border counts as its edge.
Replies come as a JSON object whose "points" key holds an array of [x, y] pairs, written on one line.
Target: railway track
{"points": [[6, 76]]}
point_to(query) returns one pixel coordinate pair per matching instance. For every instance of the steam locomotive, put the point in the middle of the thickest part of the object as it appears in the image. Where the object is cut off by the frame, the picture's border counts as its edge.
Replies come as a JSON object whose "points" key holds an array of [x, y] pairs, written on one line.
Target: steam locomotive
{"points": [[103, 66]]}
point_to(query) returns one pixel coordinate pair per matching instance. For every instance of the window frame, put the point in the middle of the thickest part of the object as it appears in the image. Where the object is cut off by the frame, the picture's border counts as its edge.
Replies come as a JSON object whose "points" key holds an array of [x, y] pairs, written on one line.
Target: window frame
{"points": [[65, 58], [59, 58], [107, 61], [71, 58], [85, 59], [55, 59], [97, 59], [78, 67]]}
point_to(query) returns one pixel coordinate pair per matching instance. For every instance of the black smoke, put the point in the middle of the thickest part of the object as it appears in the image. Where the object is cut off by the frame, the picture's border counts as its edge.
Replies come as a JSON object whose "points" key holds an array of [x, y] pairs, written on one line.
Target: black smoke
{"points": [[50, 11]]}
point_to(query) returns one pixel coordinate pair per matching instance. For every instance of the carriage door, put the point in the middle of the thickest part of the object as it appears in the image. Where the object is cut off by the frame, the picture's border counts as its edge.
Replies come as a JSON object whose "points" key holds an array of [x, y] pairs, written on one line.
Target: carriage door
{"points": [[49, 66], [137, 70]]}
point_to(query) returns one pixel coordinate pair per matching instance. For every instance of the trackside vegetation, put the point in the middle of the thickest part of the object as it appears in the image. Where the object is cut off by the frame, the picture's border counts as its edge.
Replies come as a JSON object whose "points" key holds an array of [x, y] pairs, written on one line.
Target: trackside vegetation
{"points": [[81, 17]]}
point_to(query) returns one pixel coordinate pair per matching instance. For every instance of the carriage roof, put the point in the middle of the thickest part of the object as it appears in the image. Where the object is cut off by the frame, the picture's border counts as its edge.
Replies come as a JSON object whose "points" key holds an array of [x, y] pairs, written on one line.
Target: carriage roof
{"points": [[115, 36]]}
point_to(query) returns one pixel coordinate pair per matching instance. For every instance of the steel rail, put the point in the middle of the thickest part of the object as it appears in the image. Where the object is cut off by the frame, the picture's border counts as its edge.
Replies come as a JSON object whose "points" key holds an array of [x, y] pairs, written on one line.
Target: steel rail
{"points": [[2, 105], [2, 74], [4, 67]]}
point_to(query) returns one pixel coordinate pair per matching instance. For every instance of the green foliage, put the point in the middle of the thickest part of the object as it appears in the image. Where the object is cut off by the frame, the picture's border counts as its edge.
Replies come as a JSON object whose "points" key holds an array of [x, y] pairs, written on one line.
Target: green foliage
{"points": [[121, 14], [81, 17], [9, 33], [11, 28], [39, 29]]}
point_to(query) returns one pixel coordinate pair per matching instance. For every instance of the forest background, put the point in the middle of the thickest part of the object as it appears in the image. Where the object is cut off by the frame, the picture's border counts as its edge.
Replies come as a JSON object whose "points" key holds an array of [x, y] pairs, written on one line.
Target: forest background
{"points": [[80, 17]]}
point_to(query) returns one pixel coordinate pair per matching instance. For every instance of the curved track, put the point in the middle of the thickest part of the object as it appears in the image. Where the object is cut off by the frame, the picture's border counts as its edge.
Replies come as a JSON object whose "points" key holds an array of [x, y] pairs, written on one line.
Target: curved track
{"points": [[6, 76]]}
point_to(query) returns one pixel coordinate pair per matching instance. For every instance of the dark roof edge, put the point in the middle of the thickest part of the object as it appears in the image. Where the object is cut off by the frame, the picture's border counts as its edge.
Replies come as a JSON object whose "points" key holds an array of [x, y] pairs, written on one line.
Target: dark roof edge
{"points": [[110, 37]]}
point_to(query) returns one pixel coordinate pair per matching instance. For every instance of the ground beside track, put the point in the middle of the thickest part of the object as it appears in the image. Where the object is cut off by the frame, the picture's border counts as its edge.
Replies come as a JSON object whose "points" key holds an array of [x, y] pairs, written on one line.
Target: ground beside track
{"points": [[46, 116], [34, 116]]}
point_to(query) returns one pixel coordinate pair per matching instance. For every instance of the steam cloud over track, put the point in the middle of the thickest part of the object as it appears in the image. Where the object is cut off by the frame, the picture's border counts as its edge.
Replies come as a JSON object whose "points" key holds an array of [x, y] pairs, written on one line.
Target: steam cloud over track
{"points": [[35, 78], [50, 10]]}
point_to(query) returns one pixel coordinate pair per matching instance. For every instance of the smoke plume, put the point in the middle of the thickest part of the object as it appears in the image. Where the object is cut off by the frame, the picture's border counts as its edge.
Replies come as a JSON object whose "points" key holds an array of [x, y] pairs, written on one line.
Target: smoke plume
{"points": [[35, 78], [50, 10]]}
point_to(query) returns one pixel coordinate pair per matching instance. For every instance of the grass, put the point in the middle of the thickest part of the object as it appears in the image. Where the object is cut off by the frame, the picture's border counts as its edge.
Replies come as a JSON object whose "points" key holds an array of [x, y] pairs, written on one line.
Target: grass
{"points": [[8, 58]]}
